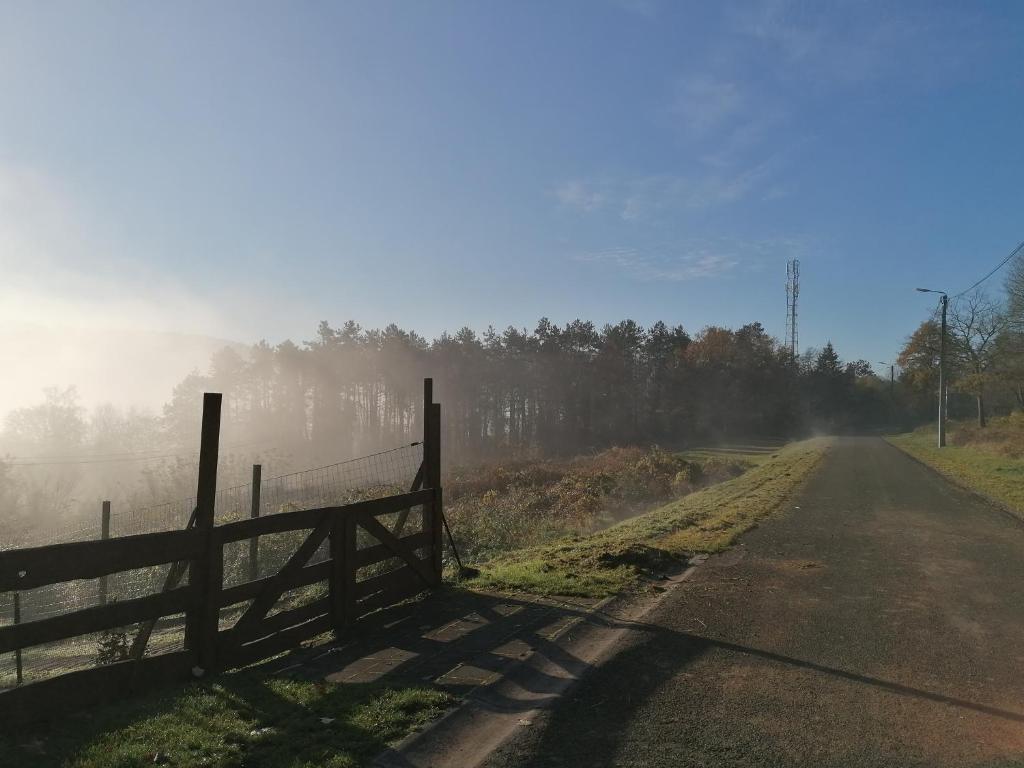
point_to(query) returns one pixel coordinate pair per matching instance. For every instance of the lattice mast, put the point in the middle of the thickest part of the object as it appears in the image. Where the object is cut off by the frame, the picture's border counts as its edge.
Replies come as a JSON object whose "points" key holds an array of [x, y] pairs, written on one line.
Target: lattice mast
{"points": [[792, 294]]}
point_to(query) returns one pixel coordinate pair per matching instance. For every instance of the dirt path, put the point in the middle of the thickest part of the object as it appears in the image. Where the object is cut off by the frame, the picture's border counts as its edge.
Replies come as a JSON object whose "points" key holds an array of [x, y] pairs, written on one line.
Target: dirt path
{"points": [[881, 623]]}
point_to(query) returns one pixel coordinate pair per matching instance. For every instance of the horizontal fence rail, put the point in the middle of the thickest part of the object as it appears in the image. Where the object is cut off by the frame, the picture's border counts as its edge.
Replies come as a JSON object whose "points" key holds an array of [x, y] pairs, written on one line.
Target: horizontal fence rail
{"points": [[307, 571], [22, 569]]}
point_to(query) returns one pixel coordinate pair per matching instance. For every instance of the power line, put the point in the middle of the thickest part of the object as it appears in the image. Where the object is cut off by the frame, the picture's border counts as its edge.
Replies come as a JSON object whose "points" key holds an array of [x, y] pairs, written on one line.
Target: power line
{"points": [[61, 462], [999, 266]]}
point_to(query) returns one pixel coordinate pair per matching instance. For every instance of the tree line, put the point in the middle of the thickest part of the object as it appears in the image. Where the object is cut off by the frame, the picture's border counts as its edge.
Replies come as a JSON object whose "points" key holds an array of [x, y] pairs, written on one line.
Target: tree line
{"points": [[984, 354], [553, 391], [350, 391]]}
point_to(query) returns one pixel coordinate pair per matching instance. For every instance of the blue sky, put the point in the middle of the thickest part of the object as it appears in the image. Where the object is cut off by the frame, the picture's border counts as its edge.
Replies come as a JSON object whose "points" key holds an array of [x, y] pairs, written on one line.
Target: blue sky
{"points": [[247, 169]]}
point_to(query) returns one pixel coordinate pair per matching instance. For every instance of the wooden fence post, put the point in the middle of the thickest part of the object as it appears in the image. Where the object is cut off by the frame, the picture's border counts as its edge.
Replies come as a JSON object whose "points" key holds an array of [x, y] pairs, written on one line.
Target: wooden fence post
{"points": [[207, 650], [254, 512], [419, 481], [428, 399], [433, 476], [428, 440], [104, 535], [206, 574], [17, 652], [343, 572]]}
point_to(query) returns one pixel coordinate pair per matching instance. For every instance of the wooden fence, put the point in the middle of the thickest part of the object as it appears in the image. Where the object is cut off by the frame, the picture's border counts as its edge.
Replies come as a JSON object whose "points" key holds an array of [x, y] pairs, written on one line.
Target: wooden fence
{"points": [[369, 566]]}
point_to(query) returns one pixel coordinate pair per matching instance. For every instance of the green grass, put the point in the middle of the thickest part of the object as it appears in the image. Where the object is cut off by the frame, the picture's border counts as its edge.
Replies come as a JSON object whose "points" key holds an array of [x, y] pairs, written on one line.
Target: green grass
{"points": [[976, 466], [748, 454], [241, 719], [613, 559]]}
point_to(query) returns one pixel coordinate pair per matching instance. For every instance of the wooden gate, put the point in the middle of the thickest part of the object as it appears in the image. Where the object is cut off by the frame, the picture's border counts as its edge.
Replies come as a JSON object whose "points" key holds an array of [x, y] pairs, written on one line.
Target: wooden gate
{"points": [[361, 561], [367, 566], [257, 633]]}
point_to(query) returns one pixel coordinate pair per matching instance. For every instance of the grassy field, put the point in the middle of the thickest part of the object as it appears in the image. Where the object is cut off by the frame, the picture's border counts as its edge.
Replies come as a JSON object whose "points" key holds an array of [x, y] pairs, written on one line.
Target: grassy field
{"points": [[987, 461], [611, 560], [242, 719]]}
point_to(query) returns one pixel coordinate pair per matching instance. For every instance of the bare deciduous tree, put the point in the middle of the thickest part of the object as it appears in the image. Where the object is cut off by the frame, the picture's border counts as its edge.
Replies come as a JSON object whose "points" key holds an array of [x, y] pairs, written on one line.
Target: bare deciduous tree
{"points": [[975, 323]]}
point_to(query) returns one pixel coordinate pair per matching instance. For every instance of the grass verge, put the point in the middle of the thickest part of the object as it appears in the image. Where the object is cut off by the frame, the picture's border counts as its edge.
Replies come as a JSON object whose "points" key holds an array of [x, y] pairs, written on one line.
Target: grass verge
{"points": [[241, 719], [991, 473], [613, 559]]}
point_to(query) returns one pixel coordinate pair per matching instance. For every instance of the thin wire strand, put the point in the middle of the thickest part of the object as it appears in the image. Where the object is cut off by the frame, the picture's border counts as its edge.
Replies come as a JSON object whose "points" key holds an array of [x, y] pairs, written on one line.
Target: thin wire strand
{"points": [[101, 458], [999, 266]]}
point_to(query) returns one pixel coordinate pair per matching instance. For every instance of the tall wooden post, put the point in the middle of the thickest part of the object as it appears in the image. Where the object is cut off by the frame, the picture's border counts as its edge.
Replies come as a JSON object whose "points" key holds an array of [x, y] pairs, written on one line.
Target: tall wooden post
{"points": [[343, 572], [254, 512], [17, 652], [104, 535], [206, 574], [428, 446], [428, 399], [433, 480], [420, 480]]}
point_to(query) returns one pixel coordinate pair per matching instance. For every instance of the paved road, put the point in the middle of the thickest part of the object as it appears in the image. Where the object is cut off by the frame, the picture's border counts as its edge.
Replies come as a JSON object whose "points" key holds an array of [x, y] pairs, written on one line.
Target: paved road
{"points": [[879, 623]]}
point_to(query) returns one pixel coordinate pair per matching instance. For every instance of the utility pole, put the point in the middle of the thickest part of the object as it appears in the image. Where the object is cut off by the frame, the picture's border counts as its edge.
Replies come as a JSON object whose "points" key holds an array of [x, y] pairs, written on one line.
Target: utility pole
{"points": [[943, 302], [892, 378]]}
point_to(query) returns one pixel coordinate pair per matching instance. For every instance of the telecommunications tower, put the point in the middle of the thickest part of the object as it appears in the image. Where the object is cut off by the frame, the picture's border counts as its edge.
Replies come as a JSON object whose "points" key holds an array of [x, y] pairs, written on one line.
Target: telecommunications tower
{"points": [[792, 294]]}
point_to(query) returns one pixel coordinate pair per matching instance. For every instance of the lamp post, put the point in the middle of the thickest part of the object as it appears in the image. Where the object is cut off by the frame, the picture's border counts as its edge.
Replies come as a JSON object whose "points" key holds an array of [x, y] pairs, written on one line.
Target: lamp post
{"points": [[943, 302], [892, 378]]}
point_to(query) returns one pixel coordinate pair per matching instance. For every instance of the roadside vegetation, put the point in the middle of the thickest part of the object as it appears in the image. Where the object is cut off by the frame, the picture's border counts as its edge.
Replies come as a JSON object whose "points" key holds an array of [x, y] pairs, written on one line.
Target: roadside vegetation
{"points": [[241, 719], [497, 508], [650, 544], [988, 460]]}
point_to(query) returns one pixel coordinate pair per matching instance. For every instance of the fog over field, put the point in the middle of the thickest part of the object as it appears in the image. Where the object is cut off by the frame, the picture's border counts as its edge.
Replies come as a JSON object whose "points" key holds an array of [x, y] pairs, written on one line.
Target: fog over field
{"points": [[124, 367]]}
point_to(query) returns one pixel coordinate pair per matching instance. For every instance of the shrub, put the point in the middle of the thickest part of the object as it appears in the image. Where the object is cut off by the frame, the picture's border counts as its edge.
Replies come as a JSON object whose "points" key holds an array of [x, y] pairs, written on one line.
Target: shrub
{"points": [[514, 505], [687, 479], [718, 469], [112, 646], [580, 496], [650, 477]]}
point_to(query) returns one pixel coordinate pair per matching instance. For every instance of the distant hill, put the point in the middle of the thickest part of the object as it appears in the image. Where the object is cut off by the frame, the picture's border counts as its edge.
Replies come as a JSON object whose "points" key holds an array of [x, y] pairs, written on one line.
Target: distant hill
{"points": [[124, 367]]}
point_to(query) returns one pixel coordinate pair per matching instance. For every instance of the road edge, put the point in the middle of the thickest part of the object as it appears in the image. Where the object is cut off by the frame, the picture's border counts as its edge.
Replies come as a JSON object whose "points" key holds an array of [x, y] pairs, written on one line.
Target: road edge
{"points": [[493, 714], [1000, 506]]}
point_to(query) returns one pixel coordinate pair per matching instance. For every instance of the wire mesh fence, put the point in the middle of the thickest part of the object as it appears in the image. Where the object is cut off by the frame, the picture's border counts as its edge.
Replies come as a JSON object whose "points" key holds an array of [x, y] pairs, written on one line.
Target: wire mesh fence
{"points": [[381, 474]]}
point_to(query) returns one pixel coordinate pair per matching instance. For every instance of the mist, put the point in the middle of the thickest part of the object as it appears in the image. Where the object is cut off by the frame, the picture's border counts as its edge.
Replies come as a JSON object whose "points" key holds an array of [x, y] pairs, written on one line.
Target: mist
{"points": [[120, 420], [98, 363]]}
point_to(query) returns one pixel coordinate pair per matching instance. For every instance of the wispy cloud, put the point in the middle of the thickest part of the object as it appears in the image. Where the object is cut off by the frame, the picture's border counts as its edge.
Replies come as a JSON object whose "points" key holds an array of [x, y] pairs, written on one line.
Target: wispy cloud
{"points": [[678, 267], [703, 102], [850, 44], [641, 198], [776, 23], [694, 259], [582, 195]]}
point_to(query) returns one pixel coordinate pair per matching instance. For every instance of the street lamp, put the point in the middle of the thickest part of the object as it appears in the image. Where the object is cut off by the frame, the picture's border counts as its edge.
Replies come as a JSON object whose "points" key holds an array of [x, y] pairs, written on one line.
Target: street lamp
{"points": [[892, 376], [942, 365]]}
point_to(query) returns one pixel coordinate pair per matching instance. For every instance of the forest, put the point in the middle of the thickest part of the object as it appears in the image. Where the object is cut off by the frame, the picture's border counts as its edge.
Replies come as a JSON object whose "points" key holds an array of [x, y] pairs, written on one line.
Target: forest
{"points": [[553, 391], [556, 391]]}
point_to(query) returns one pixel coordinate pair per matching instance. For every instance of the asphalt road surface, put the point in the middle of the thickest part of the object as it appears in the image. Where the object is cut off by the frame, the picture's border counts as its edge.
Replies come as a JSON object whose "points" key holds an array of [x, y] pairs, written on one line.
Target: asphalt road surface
{"points": [[878, 623]]}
